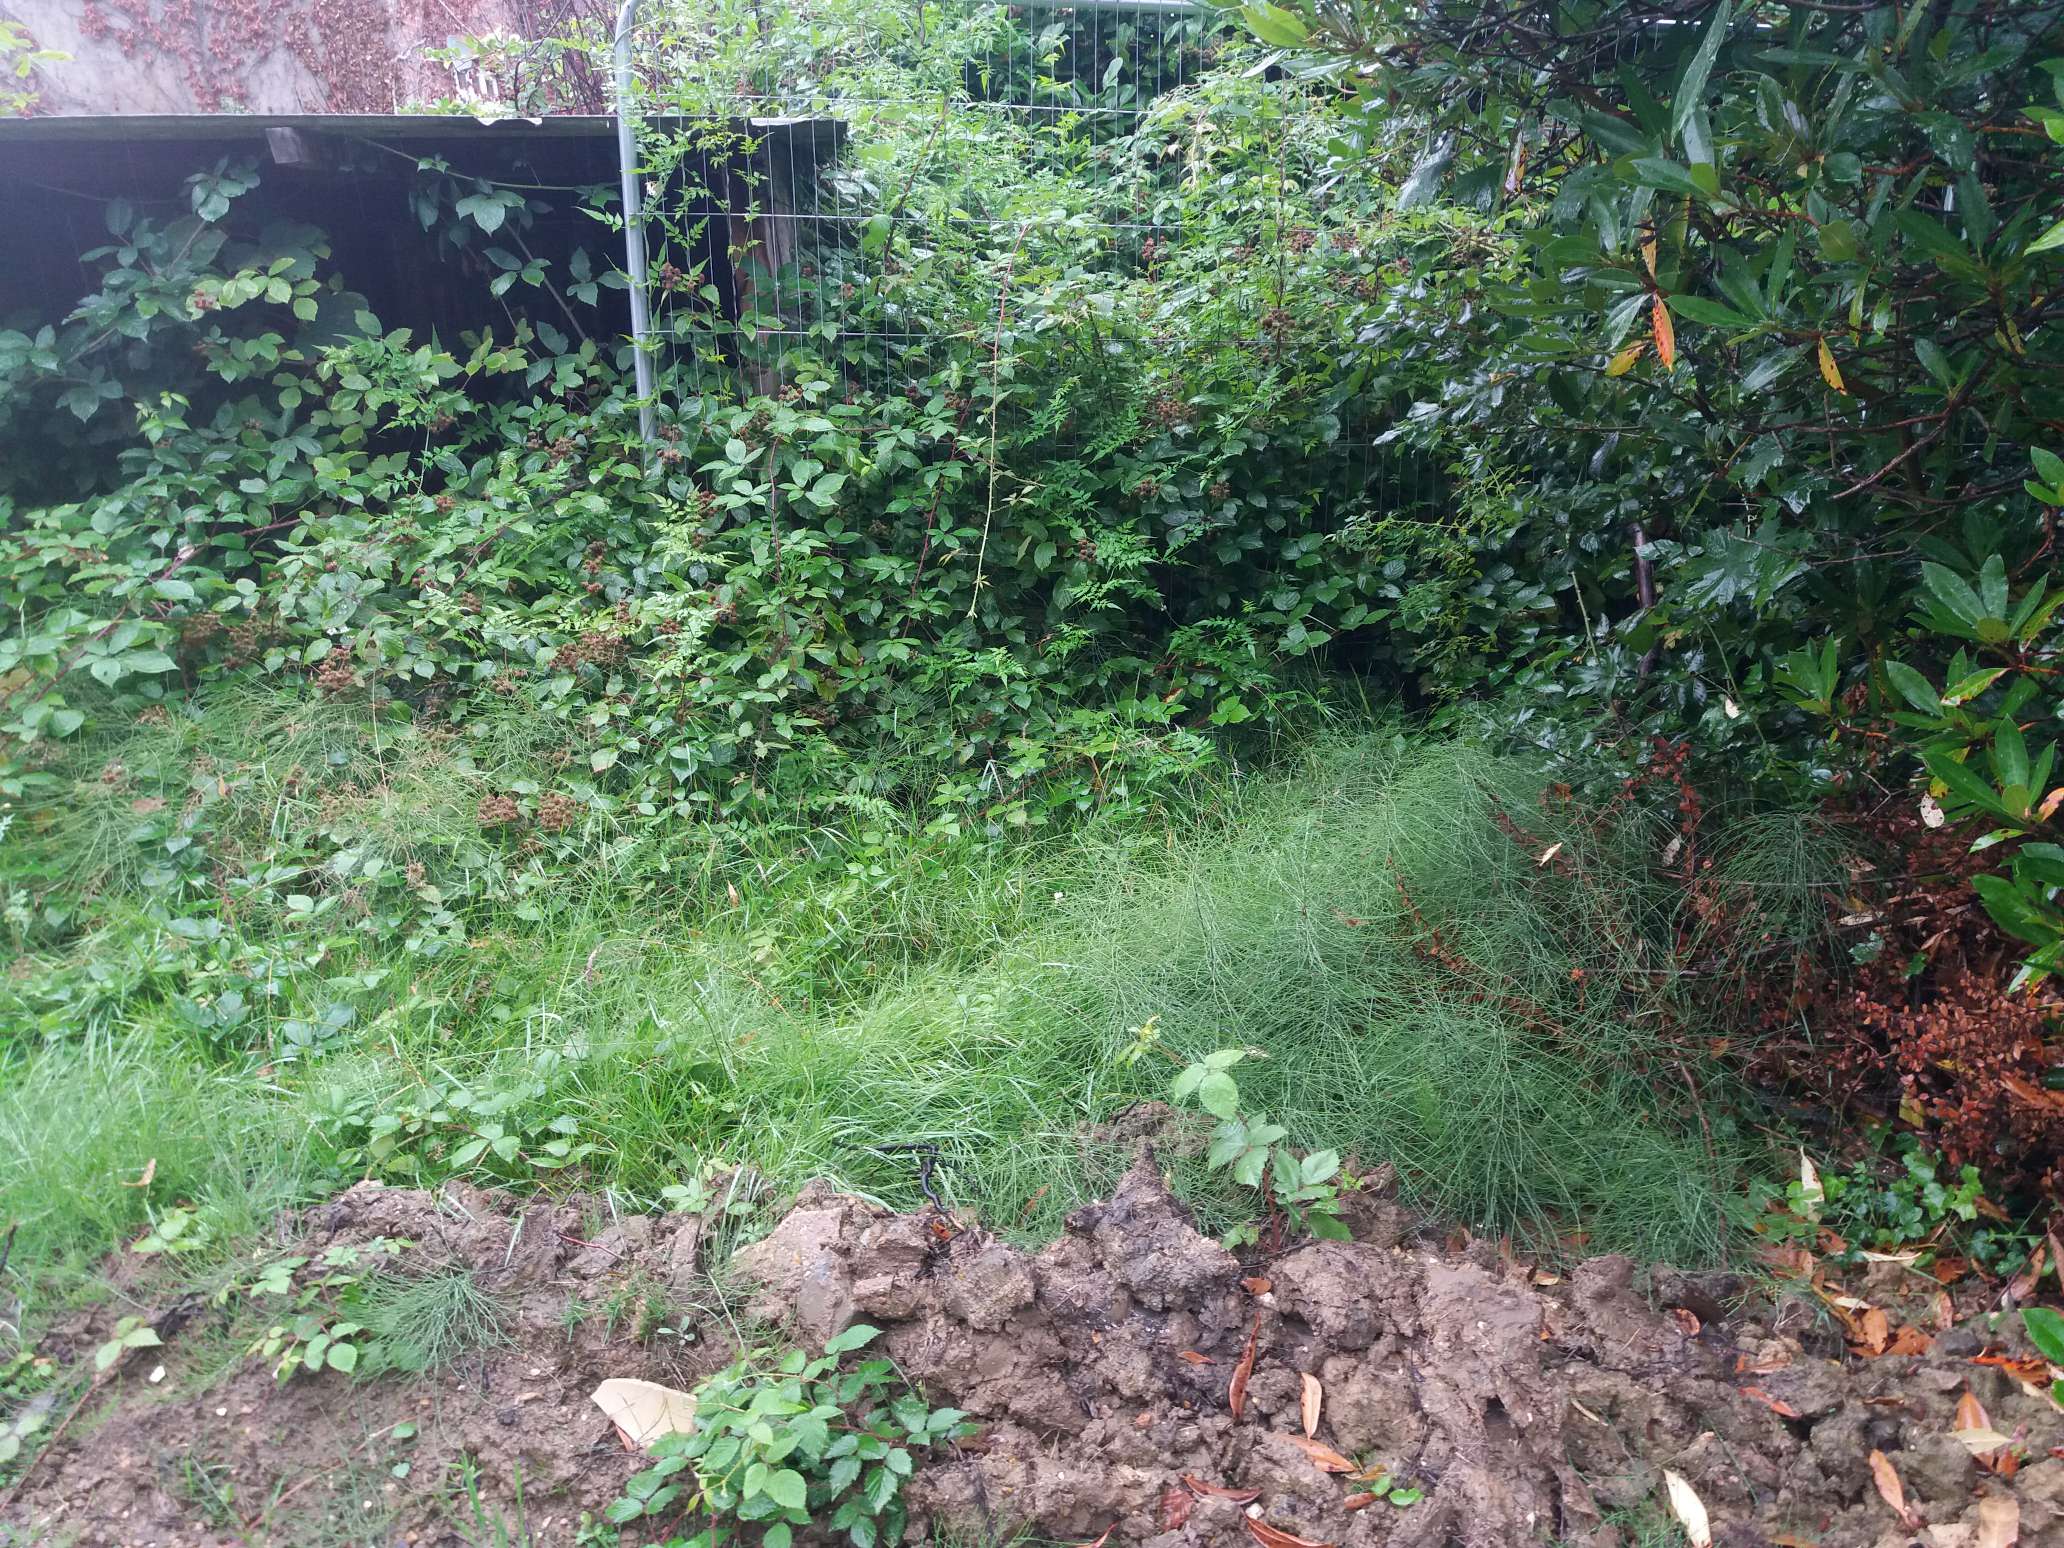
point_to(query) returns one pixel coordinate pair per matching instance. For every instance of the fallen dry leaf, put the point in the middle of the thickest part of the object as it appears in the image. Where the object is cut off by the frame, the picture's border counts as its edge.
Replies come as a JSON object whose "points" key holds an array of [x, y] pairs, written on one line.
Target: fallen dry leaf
{"points": [[2033, 1375], [1236, 1394], [2023, 1284], [1811, 1194], [1873, 1331], [1948, 1270], [1686, 1320], [1325, 1456], [1099, 1543], [1220, 1491], [1359, 1501], [1689, 1510], [1981, 1443], [1910, 1340], [1175, 1507], [643, 1411], [1776, 1405], [1313, 1396], [1256, 1285], [1194, 1358], [1970, 1413], [150, 1170], [1276, 1537], [1999, 1521], [1890, 1489]]}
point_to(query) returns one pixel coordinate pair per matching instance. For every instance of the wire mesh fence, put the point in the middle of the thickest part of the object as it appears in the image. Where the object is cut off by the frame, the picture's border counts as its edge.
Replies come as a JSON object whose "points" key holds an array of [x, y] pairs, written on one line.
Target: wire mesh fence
{"points": [[1029, 141]]}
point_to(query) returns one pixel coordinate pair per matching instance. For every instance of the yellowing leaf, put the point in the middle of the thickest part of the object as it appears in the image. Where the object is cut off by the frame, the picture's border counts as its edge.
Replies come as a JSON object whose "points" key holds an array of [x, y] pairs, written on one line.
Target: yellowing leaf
{"points": [[1829, 371], [1314, 1396], [1665, 333], [1689, 1510], [1811, 1194], [1648, 256], [1623, 362]]}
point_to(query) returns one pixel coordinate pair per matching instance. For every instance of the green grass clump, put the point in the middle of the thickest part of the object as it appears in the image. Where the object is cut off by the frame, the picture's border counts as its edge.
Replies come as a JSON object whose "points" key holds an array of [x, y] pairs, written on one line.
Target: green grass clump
{"points": [[424, 1323], [1440, 966]]}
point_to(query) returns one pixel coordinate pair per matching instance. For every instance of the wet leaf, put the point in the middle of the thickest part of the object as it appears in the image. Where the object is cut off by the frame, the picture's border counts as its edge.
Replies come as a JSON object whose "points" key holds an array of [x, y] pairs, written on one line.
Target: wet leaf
{"points": [[1890, 1489], [1970, 1413], [1220, 1491], [1176, 1502], [1689, 1510], [1314, 1396], [1325, 1456], [1236, 1393], [1776, 1405], [1665, 334], [1276, 1537], [1829, 371]]}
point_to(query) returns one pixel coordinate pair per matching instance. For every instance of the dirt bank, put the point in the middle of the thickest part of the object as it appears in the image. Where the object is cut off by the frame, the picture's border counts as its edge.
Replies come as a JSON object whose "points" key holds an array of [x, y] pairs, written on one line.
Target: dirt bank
{"points": [[1527, 1407]]}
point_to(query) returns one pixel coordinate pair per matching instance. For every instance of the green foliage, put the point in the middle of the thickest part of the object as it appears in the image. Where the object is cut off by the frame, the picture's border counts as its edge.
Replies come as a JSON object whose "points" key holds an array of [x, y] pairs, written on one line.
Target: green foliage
{"points": [[2045, 1329], [1910, 1201], [20, 59], [1767, 339], [421, 1323], [786, 1441], [323, 1327], [430, 1134], [129, 1333], [1305, 1190]]}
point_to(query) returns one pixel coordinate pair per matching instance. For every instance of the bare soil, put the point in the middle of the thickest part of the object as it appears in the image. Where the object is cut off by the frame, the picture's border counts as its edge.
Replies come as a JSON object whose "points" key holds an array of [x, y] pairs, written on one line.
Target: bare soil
{"points": [[1529, 1407]]}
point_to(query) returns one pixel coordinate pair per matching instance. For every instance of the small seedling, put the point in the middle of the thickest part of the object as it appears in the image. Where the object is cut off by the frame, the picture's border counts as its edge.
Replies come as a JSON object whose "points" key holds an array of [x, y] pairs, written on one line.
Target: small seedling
{"points": [[1305, 1189], [130, 1333]]}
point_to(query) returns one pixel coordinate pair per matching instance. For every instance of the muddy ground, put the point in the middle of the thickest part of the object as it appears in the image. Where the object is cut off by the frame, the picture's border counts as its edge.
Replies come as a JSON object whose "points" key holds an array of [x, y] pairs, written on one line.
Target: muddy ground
{"points": [[1529, 1407]]}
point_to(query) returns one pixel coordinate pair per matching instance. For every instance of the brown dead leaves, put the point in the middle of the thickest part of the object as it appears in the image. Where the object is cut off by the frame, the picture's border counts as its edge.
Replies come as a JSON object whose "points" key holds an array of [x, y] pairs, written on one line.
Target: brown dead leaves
{"points": [[1276, 1537], [1312, 1398], [1324, 1457], [1199, 1487], [1972, 1429], [1236, 1394], [1890, 1489]]}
